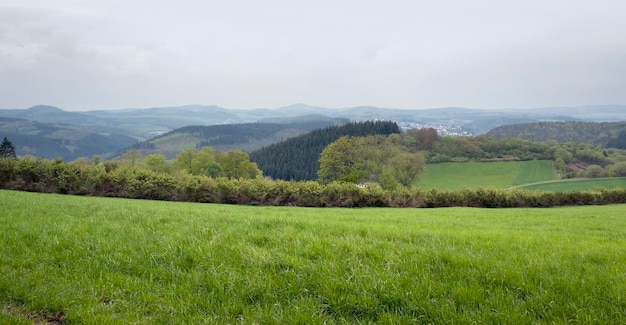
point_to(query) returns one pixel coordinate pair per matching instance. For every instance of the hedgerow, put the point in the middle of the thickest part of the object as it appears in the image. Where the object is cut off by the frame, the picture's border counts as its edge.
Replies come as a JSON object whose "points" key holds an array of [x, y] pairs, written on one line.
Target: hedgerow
{"points": [[40, 175]]}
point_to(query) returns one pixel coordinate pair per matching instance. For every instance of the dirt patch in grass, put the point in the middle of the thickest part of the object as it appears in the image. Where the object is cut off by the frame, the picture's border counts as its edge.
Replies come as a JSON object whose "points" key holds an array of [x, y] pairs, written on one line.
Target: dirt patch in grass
{"points": [[36, 317], [577, 165]]}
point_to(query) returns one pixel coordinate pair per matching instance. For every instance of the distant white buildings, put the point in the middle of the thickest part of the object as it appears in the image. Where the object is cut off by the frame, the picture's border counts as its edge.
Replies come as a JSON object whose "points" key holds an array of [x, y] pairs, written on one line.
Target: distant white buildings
{"points": [[451, 130]]}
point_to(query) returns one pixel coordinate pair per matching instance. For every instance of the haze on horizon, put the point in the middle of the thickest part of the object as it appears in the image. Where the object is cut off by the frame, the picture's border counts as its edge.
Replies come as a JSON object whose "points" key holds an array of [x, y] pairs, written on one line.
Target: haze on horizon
{"points": [[103, 54]]}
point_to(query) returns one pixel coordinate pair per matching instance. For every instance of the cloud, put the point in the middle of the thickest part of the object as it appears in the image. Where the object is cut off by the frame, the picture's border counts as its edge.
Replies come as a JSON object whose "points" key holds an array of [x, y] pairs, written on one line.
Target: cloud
{"points": [[408, 54]]}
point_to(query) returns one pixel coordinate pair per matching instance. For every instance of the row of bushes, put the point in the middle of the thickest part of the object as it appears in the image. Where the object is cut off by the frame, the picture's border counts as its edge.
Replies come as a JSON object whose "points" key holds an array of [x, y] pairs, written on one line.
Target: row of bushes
{"points": [[38, 175]]}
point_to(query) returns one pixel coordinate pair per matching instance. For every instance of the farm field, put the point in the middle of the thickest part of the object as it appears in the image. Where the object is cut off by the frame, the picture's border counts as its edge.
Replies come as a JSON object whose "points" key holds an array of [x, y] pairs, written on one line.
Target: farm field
{"points": [[453, 176], [89, 260], [573, 185]]}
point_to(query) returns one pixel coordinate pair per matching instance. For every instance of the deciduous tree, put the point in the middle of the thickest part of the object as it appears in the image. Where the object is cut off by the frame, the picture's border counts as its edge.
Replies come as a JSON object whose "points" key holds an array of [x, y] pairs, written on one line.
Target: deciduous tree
{"points": [[425, 138], [594, 171], [156, 162], [341, 161], [236, 164], [184, 160], [407, 166]]}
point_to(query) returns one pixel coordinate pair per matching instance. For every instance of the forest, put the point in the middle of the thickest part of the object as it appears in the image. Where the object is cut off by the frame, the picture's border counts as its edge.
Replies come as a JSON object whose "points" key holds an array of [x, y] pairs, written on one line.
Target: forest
{"points": [[605, 134], [298, 158]]}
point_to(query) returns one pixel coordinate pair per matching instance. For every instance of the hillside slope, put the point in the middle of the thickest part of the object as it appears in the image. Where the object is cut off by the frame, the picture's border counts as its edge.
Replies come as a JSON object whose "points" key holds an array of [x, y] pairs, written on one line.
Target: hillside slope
{"points": [[48, 140], [247, 137], [454, 176], [602, 133]]}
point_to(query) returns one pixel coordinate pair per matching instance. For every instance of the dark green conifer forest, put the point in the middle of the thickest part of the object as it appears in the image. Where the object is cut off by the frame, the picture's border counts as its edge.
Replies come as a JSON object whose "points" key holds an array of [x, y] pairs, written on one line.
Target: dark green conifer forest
{"points": [[298, 158]]}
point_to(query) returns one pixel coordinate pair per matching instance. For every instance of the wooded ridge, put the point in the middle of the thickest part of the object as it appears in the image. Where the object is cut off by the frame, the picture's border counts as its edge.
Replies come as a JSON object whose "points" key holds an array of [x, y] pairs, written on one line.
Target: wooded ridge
{"points": [[605, 134]]}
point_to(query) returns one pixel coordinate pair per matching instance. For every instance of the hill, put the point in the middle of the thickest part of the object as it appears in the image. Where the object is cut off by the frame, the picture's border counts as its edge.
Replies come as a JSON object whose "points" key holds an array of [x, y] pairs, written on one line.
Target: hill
{"points": [[298, 158], [49, 140], [604, 134], [51, 114], [247, 137]]}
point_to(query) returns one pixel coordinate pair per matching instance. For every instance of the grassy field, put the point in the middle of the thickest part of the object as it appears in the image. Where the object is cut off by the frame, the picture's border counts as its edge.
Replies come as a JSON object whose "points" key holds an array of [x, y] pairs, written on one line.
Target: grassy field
{"points": [[453, 176], [86, 260], [573, 185]]}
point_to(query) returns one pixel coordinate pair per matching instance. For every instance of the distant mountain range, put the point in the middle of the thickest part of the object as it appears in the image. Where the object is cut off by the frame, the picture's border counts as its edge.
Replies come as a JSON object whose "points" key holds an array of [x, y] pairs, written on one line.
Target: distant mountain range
{"points": [[75, 131]]}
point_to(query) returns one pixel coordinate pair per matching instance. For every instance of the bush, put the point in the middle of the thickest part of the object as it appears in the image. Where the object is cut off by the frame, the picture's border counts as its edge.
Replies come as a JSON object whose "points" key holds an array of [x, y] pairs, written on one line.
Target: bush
{"points": [[594, 171], [7, 171], [309, 193], [618, 169]]}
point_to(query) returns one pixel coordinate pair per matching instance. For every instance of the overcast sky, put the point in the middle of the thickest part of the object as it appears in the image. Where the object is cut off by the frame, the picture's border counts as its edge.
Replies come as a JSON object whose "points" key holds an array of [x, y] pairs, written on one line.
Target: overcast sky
{"points": [[105, 54]]}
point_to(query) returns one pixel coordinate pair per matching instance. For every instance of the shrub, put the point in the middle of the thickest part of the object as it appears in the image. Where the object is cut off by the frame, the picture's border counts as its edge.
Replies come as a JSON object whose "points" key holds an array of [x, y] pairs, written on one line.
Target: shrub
{"points": [[618, 169], [594, 171], [7, 171], [309, 193]]}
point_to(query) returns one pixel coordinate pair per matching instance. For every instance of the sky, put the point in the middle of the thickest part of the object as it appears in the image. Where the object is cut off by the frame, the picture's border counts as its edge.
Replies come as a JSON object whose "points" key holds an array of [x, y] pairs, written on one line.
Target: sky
{"points": [[413, 54]]}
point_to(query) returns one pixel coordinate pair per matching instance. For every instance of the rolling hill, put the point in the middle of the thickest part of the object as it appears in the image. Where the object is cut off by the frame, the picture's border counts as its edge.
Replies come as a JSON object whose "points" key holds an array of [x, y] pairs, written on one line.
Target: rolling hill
{"points": [[597, 133], [51, 140], [247, 137], [119, 125], [145, 121]]}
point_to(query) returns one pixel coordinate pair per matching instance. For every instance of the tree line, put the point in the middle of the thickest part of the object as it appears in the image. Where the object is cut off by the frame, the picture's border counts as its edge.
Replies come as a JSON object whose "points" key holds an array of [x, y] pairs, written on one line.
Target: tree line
{"points": [[128, 180], [605, 134]]}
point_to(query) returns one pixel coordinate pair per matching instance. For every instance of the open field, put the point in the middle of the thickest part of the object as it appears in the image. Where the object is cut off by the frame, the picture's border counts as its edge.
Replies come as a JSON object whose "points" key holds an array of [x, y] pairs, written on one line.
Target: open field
{"points": [[573, 185], [453, 176], [87, 260]]}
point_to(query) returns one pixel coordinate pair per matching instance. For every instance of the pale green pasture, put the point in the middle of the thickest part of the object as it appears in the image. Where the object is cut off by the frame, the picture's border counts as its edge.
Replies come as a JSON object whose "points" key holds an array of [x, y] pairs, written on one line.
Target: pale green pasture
{"points": [[573, 185], [453, 176]]}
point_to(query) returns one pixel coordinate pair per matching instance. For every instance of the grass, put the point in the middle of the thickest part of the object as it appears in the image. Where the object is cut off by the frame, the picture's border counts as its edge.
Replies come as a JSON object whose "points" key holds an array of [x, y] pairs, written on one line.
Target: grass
{"points": [[452, 176], [535, 171], [114, 261], [573, 185]]}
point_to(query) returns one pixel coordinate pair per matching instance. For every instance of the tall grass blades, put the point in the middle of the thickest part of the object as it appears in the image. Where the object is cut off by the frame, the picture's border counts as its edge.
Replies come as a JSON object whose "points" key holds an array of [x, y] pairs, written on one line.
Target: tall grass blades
{"points": [[88, 260]]}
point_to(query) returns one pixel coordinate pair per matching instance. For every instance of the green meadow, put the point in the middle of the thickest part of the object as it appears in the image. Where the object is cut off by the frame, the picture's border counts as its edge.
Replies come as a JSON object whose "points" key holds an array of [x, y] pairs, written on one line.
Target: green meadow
{"points": [[89, 260], [573, 185], [453, 175]]}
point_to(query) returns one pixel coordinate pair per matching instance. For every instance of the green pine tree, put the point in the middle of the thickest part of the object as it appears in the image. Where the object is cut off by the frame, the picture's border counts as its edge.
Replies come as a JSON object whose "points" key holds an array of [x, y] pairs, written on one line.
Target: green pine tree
{"points": [[7, 149]]}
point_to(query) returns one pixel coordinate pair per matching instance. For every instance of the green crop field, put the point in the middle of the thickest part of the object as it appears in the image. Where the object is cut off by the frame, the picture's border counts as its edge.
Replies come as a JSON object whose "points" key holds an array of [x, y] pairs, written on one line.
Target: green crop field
{"points": [[88, 260], [453, 176], [573, 185]]}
